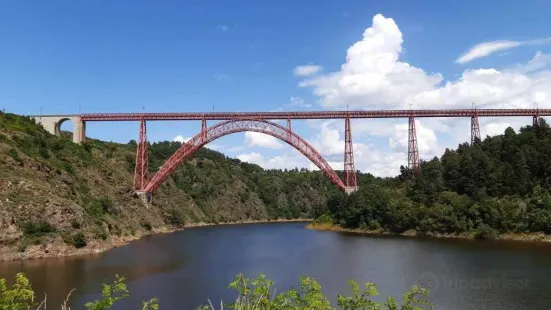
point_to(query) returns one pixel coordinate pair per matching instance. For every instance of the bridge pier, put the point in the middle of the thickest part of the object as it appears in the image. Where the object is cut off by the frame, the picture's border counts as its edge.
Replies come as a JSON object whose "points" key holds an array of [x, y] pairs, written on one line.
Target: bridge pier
{"points": [[52, 124], [413, 153], [350, 189], [145, 197], [349, 177], [141, 170], [475, 129]]}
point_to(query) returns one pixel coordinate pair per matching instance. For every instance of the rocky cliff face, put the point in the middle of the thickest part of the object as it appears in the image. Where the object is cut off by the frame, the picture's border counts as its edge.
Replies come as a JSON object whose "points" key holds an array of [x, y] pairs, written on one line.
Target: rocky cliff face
{"points": [[59, 198]]}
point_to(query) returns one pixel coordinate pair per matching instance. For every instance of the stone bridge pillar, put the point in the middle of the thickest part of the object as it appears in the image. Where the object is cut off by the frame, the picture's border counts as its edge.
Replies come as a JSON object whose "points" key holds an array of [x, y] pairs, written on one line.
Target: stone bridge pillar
{"points": [[52, 124]]}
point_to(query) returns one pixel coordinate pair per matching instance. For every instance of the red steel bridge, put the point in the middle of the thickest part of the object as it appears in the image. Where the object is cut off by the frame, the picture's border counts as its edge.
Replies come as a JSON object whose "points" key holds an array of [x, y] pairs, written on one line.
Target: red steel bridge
{"points": [[232, 122]]}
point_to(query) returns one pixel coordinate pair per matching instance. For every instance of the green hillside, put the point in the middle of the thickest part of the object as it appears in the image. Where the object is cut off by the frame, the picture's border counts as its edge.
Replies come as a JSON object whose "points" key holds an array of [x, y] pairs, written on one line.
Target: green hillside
{"points": [[56, 195], [496, 186]]}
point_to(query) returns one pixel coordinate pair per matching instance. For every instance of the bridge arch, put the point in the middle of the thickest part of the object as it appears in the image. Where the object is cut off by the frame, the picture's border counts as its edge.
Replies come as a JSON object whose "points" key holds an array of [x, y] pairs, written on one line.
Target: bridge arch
{"points": [[60, 122], [240, 125], [52, 124]]}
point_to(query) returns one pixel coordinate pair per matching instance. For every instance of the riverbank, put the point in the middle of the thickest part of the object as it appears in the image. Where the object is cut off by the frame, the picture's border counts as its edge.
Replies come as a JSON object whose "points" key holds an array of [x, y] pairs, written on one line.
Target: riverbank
{"points": [[201, 224], [532, 237], [55, 247]]}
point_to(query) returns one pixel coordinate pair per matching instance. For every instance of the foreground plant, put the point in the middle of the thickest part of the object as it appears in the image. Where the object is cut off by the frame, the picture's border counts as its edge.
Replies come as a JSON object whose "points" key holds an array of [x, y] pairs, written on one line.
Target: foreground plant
{"points": [[259, 294], [21, 296], [115, 292]]}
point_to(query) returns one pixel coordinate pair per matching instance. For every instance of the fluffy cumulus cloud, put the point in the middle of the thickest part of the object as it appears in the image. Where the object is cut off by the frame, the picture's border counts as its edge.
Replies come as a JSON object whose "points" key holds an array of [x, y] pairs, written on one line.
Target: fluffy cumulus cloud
{"points": [[289, 160], [373, 75], [329, 142], [307, 70], [426, 139], [263, 140], [181, 139]]}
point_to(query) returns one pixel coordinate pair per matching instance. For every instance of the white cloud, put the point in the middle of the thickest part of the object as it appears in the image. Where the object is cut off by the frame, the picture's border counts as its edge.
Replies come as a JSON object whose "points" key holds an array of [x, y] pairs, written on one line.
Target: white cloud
{"points": [[487, 48], [493, 129], [374, 77], [288, 160], [426, 139], [307, 70], [213, 146], [263, 140], [328, 142], [298, 102], [180, 138], [254, 158]]}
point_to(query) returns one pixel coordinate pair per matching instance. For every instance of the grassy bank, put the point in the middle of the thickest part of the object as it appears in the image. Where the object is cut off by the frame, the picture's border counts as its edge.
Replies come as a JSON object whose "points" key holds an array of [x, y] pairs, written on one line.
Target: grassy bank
{"points": [[536, 237], [299, 220]]}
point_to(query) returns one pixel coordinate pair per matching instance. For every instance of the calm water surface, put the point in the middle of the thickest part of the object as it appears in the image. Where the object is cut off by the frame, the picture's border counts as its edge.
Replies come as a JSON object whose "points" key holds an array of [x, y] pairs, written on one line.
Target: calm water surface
{"points": [[185, 268]]}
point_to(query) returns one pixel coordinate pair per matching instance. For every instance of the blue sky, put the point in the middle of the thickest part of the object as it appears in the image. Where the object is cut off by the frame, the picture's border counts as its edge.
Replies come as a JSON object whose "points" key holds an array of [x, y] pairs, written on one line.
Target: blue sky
{"points": [[120, 56]]}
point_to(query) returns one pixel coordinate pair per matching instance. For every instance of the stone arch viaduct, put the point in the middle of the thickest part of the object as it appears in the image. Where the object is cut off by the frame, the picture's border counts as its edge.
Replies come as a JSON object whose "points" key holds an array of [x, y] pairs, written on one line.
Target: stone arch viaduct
{"points": [[52, 124]]}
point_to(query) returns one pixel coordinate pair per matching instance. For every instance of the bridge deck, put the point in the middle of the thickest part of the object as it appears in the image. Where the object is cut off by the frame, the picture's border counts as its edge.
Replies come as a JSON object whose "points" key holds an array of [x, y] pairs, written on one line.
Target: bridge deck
{"points": [[306, 115]]}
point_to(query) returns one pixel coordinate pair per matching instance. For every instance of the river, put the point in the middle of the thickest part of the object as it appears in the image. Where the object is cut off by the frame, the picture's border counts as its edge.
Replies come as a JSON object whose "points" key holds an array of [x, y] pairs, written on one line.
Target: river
{"points": [[185, 268]]}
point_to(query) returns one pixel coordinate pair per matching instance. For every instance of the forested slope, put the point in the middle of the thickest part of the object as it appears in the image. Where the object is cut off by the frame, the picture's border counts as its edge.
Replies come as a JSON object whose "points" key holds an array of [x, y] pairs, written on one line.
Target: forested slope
{"points": [[497, 185], [56, 195]]}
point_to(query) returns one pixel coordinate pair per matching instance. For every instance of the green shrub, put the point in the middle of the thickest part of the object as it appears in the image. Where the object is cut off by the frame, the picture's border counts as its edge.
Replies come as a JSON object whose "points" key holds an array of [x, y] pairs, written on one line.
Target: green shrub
{"points": [[78, 240], [43, 152], [57, 144], [101, 234], [146, 225], [75, 224], [484, 231], [68, 167], [98, 207], [38, 229], [107, 205], [13, 154], [175, 217], [94, 209], [87, 146], [19, 296], [324, 219]]}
